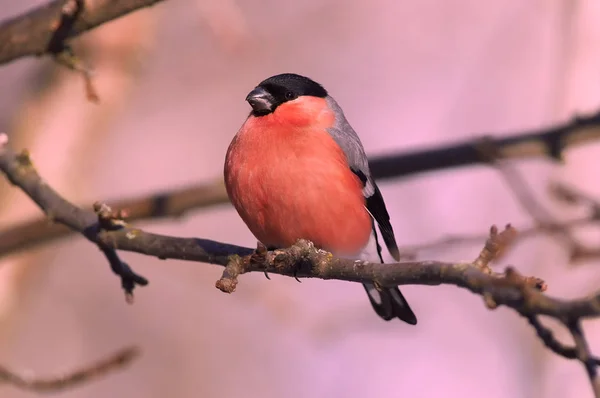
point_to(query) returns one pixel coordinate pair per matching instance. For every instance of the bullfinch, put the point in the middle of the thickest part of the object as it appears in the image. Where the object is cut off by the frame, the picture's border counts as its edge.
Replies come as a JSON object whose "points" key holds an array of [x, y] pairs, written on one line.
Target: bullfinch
{"points": [[296, 169]]}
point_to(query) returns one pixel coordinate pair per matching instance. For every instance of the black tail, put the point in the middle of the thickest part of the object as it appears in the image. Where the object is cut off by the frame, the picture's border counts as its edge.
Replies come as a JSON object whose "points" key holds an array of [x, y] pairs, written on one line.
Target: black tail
{"points": [[389, 303]]}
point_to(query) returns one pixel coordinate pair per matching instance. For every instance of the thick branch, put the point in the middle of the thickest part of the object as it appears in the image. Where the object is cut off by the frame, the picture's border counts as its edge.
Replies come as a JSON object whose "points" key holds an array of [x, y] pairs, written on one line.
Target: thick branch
{"points": [[20, 171], [175, 203], [549, 142], [41, 30], [171, 204]]}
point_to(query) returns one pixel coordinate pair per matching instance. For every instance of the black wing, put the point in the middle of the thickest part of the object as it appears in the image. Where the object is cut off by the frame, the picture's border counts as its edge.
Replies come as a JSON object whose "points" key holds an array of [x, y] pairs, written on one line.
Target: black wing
{"points": [[376, 206]]}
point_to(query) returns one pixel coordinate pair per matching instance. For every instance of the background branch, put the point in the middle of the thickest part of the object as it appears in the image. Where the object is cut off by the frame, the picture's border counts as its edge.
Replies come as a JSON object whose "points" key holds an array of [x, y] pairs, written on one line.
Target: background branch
{"points": [[44, 29], [85, 374], [578, 252], [547, 142]]}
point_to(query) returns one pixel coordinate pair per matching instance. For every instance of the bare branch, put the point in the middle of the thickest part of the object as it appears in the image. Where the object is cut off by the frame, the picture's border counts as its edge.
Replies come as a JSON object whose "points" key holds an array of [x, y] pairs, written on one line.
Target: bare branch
{"points": [[20, 171], [542, 217], [45, 29], [476, 239], [583, 354], [569, 195], [66, 57], [159, 205], [551, 342], [549, 142], [516, 183], [545, 224], [575, 197], [94, 371], [495, 247]]}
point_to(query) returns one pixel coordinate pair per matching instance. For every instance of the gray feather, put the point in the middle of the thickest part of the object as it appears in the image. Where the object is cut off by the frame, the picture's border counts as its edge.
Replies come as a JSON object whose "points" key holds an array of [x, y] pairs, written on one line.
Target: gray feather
{"points": [[345, 136]]}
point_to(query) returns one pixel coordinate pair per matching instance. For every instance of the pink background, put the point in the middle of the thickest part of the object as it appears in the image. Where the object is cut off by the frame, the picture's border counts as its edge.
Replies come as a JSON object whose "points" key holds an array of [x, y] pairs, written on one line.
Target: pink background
{"points": [[172, 81]]}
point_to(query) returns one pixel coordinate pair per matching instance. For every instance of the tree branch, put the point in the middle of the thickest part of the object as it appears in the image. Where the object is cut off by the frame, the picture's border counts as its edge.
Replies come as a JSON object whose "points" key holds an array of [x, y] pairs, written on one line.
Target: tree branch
{"points": [[569, 195], [44, 30], [110, 232], [168, 204], [20, 171], [549, 142], [578, 251], [159, 205], [583, 353]]}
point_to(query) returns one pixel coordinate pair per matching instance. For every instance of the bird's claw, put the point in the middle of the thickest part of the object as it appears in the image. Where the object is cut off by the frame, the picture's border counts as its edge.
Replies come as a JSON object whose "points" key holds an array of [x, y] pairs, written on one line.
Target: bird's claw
{"points": [[259, 254], [296, 275]]}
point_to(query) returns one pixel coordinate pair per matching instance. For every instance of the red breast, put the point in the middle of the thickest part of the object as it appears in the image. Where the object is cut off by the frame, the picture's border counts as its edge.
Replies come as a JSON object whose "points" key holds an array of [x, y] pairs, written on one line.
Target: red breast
{"points": [[288, 179]]}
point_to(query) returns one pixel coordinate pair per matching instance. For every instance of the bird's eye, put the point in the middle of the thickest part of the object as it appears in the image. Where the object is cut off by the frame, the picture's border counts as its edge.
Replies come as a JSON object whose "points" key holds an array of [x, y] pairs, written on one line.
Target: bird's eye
{"points": [[290, 95]]}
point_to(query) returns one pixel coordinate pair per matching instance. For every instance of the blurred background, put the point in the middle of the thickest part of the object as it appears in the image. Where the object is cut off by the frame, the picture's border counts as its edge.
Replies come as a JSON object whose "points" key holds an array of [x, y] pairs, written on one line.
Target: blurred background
{"points": [[172, 81]]}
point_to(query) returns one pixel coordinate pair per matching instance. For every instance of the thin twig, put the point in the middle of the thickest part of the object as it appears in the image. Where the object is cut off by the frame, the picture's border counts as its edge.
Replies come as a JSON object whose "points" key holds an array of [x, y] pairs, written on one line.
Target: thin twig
{"points": [[552, 343], [569, 195], [495, 247], [522, 192], [583, 354], [559, 191], [411, 251], [86, 374]]}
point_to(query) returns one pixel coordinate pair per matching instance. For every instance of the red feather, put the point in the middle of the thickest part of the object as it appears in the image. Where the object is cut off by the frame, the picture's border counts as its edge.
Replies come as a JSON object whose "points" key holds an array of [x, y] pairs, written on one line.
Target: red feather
{"points": [[288, 179]]}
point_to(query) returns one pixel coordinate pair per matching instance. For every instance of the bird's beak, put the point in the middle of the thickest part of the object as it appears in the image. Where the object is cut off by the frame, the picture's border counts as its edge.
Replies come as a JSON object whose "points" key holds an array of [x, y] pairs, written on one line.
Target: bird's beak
{"points": [[260, 100]]}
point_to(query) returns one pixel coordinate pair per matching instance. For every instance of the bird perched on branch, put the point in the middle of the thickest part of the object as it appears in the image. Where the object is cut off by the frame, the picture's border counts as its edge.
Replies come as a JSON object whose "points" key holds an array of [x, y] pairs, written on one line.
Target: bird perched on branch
{"points": [[297, 170]]}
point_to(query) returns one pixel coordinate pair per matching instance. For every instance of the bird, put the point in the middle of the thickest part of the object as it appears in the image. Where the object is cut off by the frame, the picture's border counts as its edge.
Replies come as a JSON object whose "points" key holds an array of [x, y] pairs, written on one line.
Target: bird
{"points": [[296, 169]]}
